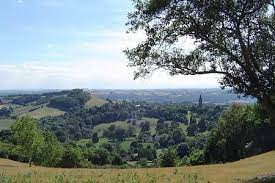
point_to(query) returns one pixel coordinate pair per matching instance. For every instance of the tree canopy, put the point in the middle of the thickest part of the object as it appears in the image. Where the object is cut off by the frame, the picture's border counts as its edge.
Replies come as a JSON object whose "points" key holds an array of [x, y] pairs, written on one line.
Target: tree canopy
{"points": [[234, 38]]}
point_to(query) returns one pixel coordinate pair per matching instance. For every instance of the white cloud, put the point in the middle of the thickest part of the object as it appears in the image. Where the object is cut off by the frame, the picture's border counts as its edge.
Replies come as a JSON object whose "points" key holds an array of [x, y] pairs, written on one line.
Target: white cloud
{"points": [[91, 74], [102, 66], [107, 42], [20, 1]]}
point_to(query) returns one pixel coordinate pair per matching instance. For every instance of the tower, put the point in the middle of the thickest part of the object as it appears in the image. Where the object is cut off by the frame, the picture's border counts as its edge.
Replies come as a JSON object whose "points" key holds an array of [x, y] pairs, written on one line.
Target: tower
{"points": [[200, 101]]}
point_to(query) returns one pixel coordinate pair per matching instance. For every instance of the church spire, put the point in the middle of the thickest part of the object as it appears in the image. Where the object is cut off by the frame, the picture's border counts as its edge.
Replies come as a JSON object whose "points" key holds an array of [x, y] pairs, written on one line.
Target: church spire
{"points": [[200, 101]]}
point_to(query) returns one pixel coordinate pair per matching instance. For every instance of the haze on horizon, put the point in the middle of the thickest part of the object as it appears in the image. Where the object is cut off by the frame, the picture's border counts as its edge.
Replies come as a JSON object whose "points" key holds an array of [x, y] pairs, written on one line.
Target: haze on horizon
{"points": [[66, 44]]}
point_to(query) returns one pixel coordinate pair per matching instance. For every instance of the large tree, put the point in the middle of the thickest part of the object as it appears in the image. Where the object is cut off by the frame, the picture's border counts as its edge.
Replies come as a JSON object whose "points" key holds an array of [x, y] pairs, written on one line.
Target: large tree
{"points": [[41, 147], [233, 38], [26, 135]]}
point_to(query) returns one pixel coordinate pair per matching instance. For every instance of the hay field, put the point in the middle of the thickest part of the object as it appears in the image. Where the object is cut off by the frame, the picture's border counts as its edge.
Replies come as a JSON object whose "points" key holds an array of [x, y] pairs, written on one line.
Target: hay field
{"points": [[246, 169]]}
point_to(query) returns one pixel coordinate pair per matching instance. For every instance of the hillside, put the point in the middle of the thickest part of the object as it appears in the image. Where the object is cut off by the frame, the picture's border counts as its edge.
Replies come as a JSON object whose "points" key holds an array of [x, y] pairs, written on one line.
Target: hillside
{"points": [[239, 171], [94, 101], [40, 105]]}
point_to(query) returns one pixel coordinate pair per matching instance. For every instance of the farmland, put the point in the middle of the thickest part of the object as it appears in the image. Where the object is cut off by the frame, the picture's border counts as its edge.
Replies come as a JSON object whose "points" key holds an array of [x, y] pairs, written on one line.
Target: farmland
{"points": [[242, 170]]}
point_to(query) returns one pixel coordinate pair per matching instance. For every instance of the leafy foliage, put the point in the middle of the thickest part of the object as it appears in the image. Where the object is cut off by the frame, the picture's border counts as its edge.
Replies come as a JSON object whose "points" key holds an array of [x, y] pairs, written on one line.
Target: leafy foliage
{"points": [[241, 132], [5, 112], [75, 99], [40, 147], [233, 38], [168, 158]]}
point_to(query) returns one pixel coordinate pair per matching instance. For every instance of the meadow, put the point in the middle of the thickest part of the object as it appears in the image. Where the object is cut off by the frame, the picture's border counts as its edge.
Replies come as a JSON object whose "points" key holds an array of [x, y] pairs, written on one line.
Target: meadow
{"points": [[240, 171]]}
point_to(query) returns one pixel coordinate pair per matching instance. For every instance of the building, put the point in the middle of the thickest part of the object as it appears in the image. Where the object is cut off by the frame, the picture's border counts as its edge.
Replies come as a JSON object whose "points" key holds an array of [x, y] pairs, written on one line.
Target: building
{"points": [[200, 101]]}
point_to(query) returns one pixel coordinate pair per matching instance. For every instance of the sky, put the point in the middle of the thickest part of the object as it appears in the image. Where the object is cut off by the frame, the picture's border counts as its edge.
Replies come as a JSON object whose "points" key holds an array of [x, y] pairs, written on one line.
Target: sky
{"points": [[63, 44]]}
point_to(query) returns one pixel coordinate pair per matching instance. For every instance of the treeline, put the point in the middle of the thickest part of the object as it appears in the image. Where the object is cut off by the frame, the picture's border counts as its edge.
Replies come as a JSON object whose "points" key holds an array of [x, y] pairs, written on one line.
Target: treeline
{"points": [[73, 100], [64, 100], [5, 112], [77, 124], [242, 131], [27, 143]]}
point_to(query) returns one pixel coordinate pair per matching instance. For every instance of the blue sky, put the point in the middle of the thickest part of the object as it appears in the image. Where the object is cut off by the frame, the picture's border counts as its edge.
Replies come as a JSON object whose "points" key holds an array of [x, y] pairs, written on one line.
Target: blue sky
{"points": [[73, 44]]}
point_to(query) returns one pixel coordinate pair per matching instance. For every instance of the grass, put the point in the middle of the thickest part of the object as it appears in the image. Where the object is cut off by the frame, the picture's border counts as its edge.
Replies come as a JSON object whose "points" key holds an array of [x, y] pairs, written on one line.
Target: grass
{"points": [[94, 101], [20, 110], [2, 106], [33, 111], [242, 170], [5, 123], [104, 126], [44, 112], [101, 141], [123, 124]]}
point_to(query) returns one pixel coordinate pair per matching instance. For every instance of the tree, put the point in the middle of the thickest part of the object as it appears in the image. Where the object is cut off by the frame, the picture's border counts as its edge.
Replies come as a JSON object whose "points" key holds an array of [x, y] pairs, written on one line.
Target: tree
{"points": [[71, 158], [183, 149], [145, 126], [131, 131], [117, 159], [192, 129], [5, 112], [233, 38], [119, 134], [202, 125], [178, 135], [95, 138], [51, 150], [168, 158], [193, 119], [100, 157], [241, 132], [197, 157], [185, 120], [26, 135]]}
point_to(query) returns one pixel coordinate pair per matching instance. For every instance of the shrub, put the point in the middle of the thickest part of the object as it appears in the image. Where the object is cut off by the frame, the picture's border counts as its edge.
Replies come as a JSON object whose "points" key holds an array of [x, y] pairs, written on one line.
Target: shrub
{"points": [[168, 158]]}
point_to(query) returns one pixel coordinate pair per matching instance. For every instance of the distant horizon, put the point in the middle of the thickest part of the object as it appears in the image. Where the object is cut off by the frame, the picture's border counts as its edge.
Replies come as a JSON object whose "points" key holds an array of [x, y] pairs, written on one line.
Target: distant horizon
{"points": [[45, 89]]}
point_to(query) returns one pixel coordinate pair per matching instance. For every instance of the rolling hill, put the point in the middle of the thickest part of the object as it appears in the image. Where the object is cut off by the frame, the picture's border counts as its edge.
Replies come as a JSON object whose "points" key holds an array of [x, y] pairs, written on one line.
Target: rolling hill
{"points": [[36, 105], [214, 95]]}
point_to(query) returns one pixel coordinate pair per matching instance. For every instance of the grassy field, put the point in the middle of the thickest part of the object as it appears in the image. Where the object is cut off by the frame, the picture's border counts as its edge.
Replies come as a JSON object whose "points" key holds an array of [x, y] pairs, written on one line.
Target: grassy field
{"points": [[123, 124], [23, 110], [5, 123], [44, 112], [239, 171], [94, 101]]}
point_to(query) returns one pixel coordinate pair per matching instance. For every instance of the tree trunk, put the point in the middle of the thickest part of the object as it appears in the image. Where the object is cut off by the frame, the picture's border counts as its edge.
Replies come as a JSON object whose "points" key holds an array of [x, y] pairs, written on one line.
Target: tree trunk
{"points": [[269, 107], [30, 161]]}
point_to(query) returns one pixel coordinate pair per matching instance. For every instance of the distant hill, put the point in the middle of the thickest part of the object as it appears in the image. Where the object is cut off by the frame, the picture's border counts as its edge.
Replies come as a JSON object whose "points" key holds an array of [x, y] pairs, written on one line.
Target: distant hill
{"points": [[22, 92], [45, 103], [216, 96]]}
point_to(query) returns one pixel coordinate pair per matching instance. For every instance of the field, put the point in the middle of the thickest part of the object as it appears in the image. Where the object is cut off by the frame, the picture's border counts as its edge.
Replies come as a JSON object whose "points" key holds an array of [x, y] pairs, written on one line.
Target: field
{"points": [[123, 124], [94, 101], [5, 123], [44, 112], [221, 173]]}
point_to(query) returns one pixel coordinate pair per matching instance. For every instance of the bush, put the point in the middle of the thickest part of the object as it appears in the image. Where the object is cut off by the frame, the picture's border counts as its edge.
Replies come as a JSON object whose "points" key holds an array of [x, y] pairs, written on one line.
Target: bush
{"points": [[197, 157], [168, 158], [183, 149], [72, 158], [117, 160], [99, 157]]}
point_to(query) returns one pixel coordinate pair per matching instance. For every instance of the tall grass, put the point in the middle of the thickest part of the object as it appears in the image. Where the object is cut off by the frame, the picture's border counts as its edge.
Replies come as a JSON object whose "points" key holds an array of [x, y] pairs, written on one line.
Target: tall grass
{"points": [[130, 177]]}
